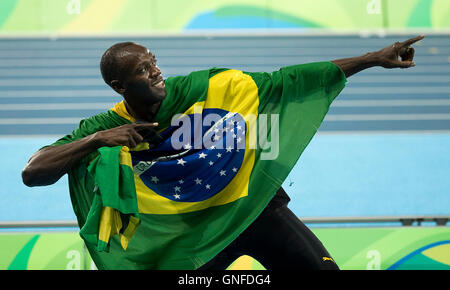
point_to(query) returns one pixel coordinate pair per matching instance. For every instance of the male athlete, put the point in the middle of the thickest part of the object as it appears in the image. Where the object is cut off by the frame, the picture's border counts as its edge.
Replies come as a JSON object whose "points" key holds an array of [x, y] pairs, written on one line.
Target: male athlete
{"points": [[277, 238]]}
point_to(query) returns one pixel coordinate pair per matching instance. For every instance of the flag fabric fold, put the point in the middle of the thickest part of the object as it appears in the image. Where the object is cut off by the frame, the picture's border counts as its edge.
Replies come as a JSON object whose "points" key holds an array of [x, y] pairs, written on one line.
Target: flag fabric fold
{"points": [[179, 204], [114, 207]]}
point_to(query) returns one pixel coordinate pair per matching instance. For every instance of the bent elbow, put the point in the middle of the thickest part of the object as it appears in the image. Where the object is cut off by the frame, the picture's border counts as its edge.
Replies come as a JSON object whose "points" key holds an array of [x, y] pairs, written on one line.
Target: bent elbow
{"points": [[32, 177], [28, 178], [38, 172], [37, 177]]}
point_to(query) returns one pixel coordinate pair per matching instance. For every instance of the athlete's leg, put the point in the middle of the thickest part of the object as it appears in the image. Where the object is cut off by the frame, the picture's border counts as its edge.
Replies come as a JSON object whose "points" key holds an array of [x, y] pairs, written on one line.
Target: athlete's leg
{"points": [[279, 240]]}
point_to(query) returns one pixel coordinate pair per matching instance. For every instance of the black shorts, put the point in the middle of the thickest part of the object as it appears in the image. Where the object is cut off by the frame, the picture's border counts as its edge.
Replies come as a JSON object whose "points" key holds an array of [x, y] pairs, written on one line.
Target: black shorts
{"points": [[278, 240]]}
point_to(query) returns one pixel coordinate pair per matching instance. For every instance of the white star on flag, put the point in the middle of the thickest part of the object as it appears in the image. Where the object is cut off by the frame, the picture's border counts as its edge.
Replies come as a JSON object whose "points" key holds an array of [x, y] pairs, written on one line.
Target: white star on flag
{"points": [[229, 149], [181, 161], [181, 181], [219, 155], [211, 163], [208, 186], [198, 181], [222, 172], [177, 196], [234, 169], [202, 155], [155, 179], [177, 188], [187, 146]]}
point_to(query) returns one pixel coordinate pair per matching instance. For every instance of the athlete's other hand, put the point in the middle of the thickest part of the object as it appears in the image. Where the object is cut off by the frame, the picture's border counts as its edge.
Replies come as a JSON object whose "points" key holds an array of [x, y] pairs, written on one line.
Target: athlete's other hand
{"points": [[398, 55]]}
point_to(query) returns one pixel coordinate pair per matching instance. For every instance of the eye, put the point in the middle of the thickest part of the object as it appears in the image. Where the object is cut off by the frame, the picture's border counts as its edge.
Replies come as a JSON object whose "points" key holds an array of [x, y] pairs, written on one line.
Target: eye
{"points": [[141, 70]]}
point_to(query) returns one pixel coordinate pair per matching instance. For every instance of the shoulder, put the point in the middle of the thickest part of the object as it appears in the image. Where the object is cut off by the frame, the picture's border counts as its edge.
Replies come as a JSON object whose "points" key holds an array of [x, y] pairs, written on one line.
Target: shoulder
{"points": [[102, 121], [175, 82], [99, 122]]}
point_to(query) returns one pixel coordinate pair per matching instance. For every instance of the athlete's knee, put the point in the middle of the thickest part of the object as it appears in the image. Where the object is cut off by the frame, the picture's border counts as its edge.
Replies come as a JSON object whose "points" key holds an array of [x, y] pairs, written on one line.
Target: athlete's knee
{"points": [[327, 263]]}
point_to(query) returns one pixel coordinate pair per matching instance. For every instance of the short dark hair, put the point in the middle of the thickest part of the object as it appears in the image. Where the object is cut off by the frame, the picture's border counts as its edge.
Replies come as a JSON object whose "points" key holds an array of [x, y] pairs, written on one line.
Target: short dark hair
{"points": [[108, 63]]}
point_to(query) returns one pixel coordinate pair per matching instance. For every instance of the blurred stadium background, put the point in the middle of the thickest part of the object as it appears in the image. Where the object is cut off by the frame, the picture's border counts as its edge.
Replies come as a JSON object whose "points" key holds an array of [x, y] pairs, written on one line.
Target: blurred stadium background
{"points": [[374, 182]]}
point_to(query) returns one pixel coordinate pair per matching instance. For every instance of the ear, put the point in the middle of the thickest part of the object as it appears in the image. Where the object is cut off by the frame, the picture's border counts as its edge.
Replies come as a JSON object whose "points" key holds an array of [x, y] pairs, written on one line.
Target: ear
{"points": [[117, 86]]}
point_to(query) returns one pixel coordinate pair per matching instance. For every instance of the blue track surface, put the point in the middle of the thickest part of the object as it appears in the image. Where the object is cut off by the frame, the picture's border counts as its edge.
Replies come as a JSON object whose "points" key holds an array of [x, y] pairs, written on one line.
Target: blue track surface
{"points": [[338, 175]]}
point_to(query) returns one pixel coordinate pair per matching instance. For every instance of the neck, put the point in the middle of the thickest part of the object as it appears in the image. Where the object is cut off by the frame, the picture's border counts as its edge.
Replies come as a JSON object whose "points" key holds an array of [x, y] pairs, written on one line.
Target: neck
{"points": [[147, 116]]}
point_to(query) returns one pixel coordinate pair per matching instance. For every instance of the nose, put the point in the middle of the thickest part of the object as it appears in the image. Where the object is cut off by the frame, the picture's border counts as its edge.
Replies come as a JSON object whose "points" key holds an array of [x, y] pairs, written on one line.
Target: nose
{"points": [[155, 71]]}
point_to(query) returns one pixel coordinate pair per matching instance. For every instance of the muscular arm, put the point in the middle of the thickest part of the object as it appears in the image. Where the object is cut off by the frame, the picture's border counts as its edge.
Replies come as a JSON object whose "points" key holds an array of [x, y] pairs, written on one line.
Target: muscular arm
{"points": [[48, 165], [387, 57]]}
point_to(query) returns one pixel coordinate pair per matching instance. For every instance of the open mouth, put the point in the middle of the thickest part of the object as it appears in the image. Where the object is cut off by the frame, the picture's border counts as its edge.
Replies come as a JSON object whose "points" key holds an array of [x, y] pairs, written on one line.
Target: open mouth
{"points": [[159, 83]]}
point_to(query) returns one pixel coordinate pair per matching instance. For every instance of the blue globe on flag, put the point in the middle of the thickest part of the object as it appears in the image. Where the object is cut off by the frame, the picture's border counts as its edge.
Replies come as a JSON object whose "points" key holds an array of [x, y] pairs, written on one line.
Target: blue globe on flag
{"points": [[197, 161]]}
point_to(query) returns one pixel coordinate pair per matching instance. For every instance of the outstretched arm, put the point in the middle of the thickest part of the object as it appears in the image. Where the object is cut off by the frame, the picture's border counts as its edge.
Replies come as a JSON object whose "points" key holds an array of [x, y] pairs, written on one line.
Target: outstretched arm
{"points": [[387, 57]]}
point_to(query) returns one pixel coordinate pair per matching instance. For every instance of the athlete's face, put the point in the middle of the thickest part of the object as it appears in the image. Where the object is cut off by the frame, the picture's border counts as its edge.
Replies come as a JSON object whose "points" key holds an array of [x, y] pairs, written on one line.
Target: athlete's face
{"points": [[141, 83]]}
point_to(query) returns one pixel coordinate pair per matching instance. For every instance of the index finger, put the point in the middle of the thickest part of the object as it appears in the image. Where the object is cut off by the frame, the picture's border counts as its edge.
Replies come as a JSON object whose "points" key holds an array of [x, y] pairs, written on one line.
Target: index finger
{"points": [[412, 40], [145, 125]]}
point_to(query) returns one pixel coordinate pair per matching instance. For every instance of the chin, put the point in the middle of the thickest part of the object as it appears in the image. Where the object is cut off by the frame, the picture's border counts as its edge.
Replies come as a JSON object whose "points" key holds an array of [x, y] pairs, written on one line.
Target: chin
{"points": [[161, 95]]}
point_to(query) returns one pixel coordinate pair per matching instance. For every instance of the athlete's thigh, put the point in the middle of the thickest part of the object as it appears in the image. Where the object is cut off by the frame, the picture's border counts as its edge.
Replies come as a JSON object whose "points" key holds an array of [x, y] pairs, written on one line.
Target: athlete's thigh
{"points": [[279, 240]]}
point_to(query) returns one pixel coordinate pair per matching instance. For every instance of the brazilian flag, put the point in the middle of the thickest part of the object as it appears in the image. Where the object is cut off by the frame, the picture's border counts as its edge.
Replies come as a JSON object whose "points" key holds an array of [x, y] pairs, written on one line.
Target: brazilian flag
{"points": [[230, 138]]}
